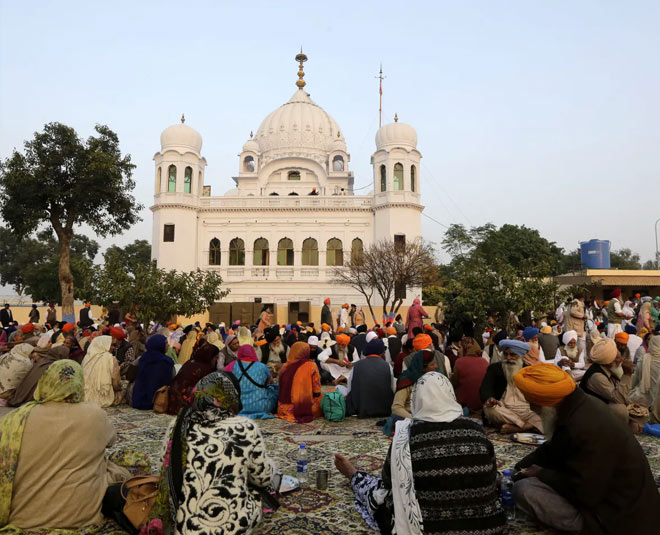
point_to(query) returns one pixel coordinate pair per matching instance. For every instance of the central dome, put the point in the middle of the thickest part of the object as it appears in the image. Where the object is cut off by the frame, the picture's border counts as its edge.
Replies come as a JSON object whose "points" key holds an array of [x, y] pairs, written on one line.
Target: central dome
{"points": [[299, 125]]}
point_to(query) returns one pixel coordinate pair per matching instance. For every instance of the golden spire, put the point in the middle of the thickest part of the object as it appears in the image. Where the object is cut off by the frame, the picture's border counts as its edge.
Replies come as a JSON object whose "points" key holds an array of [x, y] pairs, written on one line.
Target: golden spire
{"points": [[183, 118], [396, 118], [251, 134], [338, 133], [301, 58]]}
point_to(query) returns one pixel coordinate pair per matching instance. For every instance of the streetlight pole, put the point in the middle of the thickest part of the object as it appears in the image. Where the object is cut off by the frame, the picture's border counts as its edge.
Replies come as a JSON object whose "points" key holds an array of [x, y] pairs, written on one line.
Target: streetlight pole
{"points": [[657, 259]]}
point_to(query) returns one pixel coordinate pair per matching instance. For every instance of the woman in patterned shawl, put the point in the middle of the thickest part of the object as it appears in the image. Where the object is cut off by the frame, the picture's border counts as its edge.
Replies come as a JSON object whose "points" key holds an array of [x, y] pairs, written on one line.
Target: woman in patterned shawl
{"points": [[14, 366], [200, 365], [212, 458], [33, 477], [300, 387], [439, 475]]}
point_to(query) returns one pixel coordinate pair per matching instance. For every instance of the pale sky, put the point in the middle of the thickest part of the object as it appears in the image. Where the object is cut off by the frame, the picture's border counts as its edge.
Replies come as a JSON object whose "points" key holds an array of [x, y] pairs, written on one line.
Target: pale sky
{"points": [[537, 113]]}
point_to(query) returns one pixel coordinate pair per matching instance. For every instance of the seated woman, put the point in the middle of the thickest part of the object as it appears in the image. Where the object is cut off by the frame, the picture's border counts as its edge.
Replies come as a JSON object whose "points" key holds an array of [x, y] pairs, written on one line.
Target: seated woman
{"points": [[258, 392], [62, 485], [300, 387], [211, 459], [155, 370], [202, 362], [101, 371], [425, 471], [43, 359], [421, 363], [14, 366]]}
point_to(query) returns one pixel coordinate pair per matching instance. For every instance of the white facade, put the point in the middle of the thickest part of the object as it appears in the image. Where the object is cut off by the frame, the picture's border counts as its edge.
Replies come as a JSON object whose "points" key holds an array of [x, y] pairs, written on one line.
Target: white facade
{"points": [[293, 189]]}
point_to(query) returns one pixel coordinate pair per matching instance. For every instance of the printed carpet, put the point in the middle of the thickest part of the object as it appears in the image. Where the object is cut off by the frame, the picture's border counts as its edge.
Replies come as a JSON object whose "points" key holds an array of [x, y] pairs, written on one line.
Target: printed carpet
{"points": [[310, 511]]}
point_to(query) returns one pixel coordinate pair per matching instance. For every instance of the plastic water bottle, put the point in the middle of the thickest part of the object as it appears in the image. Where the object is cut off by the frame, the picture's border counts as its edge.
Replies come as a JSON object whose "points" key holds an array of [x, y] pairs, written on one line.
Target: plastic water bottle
{"points": [[302, 465], [508, 504]]}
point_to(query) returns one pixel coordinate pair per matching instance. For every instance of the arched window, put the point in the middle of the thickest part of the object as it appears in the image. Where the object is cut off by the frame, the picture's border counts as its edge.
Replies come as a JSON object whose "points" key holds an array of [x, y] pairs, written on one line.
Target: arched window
{"points": [[214, 252], [248, 164], [158, 179], [356, 251], [310, 252], [236, 252], [398, 176], [412, 178], [261, 252], [383, 178], [285, 252], [187, 180], [338, 163], [334, 255], [171, 181], [294, 175]]}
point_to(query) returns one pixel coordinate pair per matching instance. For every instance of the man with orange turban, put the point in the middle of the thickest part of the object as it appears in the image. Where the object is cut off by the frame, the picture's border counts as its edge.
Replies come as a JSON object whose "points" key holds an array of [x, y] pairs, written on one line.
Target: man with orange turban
{"points": [[609, 377], [621, 341], [423, 342], [503, 403], [338, 359], [326, 313], [591, 475]]}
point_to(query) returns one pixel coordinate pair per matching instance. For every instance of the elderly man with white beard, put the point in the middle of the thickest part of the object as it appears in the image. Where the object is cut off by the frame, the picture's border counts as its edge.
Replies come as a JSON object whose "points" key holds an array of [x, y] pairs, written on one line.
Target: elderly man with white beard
{"points": [[274, 351], [571, 357], [609, 377], [504, 405], [338, 359]]}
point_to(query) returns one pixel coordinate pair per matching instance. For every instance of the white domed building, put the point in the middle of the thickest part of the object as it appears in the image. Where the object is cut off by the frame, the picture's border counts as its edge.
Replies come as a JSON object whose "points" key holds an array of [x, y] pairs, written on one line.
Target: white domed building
{"points": [[293, 215]]}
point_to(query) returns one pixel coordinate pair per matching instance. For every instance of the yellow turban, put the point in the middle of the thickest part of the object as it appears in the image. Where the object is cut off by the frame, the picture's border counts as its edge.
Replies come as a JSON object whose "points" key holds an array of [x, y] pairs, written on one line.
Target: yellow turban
{"points": [[544, 384], [325, 327], [622, 338], [546, 330], [604, 351]]}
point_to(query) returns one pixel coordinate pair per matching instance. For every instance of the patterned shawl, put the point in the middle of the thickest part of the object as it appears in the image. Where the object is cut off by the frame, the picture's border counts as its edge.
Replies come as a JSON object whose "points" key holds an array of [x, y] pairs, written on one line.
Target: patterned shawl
{"points": [[14, 366], [215, 397], [62, 381]]}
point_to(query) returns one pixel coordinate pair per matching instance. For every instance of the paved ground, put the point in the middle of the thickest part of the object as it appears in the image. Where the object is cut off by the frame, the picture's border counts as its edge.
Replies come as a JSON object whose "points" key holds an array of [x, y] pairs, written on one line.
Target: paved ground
{"points": [[310, 511]]}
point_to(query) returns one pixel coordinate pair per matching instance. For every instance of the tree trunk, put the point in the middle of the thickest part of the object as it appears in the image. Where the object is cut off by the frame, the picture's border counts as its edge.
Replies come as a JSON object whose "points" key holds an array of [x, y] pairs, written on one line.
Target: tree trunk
{"points": [[64, 271]]}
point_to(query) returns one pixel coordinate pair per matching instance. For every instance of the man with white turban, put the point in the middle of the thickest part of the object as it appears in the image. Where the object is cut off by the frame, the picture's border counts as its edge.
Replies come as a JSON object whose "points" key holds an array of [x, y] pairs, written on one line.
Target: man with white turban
{"points": [[609, 377], [571, 357]]}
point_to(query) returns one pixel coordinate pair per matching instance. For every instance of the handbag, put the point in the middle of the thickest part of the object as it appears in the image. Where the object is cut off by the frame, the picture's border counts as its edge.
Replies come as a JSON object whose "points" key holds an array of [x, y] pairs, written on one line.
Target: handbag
{"points": [[161, 399], [140, 494]]}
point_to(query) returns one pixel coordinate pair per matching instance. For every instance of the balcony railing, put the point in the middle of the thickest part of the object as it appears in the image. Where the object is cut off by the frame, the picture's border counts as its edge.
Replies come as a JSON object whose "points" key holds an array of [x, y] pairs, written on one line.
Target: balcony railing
{"points": [[288, 202]]}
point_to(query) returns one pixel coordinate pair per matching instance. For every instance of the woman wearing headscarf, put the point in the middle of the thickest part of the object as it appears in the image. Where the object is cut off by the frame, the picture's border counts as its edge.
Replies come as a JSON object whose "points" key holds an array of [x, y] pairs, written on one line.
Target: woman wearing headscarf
{"points": [[646, 375], [214, 338], [75, 351], [424, 472], [645, 323], [101, 371], [33, 477], [415, 316], [258, 394], [155, 370], [421, 363], [14, 366], [44, 357], [212, 458], [200, 365], [228, 353], [300, 387], [187, 347]]}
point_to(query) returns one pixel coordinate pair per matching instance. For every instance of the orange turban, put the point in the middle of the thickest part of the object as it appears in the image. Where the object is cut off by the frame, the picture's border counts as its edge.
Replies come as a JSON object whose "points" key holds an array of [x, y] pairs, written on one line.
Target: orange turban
{"points": [[343, 339], [117, 333], [622, 337], [391, 330], [27, 328], [325, 327], [68, 327], [261, 342], [340, 330], [428, 327], [604, 351], [422, 341], [544, 384]]}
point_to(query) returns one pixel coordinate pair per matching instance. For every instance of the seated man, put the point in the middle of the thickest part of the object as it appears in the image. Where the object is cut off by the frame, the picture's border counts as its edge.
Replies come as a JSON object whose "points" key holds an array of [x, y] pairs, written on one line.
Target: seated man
{"points": [[591, 476], [504, 405], [469, 371], [621, 340], [423, 342], [338, 359], [570, 357], [314, 352], [371, 392], [535, 354], [609, 377]]}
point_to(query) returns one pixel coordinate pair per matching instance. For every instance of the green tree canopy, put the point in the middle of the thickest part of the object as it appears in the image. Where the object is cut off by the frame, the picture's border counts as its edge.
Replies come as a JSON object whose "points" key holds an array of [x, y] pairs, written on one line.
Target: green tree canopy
{"points": [[65, 182], [130, 256]]}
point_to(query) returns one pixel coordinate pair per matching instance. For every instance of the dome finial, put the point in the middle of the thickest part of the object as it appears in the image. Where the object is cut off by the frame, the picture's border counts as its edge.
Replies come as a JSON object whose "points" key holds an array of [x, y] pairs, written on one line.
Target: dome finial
{"points": [[396, 117], [251, 134], [183, 118], [301, 58]]}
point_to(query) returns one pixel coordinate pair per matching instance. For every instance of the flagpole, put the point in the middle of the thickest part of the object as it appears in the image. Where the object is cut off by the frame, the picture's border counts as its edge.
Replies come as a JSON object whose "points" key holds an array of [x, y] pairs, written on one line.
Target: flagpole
{"points": [[380, 96]]}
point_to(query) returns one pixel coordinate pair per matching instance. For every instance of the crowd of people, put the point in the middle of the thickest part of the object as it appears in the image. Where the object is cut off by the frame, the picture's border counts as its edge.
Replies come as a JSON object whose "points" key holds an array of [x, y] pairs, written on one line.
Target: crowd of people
{"points": [[586, 376]]}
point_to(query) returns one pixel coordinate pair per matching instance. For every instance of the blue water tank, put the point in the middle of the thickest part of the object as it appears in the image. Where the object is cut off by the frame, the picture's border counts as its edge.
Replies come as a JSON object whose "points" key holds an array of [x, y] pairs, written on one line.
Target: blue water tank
{"points": [[595, 254]]}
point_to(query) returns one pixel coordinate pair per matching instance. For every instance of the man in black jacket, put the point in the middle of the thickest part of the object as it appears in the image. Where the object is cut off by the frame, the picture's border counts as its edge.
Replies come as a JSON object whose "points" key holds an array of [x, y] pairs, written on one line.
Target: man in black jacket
{"points": [[326, 313], [360, 339], [6, 317], [592, 475]]}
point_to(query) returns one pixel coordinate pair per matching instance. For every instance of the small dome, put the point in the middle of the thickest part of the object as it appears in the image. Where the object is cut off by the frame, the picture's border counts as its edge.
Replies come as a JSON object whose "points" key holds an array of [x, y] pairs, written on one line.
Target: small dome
{"points": [[396, 135], [251, 146], [232, 192], [181, 137]]}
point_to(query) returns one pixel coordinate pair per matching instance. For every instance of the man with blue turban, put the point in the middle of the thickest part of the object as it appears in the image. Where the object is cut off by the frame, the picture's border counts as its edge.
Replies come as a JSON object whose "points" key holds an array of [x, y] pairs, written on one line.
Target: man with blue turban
{"points": [[504, 404], [535, 353]]}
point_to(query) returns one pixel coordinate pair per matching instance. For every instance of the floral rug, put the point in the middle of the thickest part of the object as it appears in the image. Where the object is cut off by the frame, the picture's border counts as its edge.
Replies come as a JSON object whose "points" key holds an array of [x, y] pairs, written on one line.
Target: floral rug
{"points": [[310, 511]]}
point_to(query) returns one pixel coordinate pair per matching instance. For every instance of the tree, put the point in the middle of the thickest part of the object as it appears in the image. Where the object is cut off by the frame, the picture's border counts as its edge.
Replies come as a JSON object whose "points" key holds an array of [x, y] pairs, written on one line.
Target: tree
{"points": [[65, 182], [30, 264], [389, 269], [153, 293], [495, 272], [136, 253], [624, 259]]}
